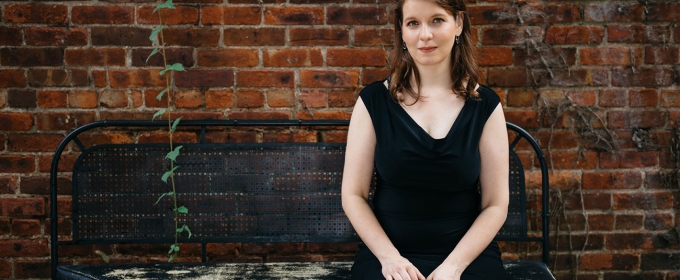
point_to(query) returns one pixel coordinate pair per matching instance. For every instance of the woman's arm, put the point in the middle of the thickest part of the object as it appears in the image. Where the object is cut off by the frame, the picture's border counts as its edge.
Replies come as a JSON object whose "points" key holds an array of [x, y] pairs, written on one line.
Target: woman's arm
{"points": [[356, 180], [494, 179]]}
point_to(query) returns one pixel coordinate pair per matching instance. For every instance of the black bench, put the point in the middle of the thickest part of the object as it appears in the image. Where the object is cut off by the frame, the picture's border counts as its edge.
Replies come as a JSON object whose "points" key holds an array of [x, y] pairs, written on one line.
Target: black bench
{"points": [[249, 192]]}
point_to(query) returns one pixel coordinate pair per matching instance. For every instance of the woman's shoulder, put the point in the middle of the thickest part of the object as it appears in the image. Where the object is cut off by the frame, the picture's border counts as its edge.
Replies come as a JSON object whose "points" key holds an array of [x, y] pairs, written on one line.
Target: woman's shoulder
{"points": [[374, 90], [486, 94]]}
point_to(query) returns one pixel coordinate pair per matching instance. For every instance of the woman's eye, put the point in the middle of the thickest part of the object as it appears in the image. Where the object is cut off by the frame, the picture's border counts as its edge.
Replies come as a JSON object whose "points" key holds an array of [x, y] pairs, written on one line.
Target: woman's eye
{"points": [[411, 23], [438, 20]]}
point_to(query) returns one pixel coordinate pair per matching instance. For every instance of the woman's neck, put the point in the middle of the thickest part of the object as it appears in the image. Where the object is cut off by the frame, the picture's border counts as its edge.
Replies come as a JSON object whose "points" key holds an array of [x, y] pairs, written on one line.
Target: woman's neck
{"points": [[434, 77]]}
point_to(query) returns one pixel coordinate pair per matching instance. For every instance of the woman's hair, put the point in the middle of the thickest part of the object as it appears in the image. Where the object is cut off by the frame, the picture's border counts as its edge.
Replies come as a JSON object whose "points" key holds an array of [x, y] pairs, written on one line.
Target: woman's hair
{"points": [[463, 57]]}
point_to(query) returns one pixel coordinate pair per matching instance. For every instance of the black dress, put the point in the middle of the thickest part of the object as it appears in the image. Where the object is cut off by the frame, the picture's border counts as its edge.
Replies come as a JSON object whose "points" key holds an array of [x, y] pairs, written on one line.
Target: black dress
{"points": [[427, 194]]}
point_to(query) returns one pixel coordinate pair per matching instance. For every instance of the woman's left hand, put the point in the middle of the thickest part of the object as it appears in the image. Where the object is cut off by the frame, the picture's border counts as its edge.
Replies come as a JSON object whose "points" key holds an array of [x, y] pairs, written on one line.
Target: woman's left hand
{"points": [[445, 272]]}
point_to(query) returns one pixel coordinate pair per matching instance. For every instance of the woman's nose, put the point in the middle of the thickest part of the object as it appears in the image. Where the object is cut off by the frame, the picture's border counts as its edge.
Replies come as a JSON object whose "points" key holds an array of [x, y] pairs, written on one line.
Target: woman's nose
{"points": [[425, 33]]}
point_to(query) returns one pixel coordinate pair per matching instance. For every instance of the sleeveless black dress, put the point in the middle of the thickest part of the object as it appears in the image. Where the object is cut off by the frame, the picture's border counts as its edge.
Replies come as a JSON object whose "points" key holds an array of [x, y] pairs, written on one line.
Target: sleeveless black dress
{"points": [[427, 194]]}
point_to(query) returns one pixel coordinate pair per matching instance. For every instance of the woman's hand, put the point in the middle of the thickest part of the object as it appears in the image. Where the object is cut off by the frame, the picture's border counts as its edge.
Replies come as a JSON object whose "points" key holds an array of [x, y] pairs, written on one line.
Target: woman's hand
{"points": [[399, 268], [445, 272]]}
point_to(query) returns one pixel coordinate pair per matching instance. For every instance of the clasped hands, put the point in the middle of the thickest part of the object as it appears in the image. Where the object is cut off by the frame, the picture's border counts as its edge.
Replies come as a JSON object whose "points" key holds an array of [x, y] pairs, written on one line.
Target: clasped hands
{"points": [[400, 268]]}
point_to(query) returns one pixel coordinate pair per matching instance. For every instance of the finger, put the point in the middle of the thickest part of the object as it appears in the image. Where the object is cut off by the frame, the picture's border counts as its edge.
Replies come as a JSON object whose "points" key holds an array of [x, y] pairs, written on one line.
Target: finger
{"points": [[412, 273], [388, 277], [420, 275], [430, 277], [397, 277], [404, 275]]}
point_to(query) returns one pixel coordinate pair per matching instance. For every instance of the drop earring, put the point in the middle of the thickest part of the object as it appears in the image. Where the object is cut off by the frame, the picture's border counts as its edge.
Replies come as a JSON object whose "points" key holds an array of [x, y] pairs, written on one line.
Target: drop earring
{"points": [[457, 40], [403, 45]]}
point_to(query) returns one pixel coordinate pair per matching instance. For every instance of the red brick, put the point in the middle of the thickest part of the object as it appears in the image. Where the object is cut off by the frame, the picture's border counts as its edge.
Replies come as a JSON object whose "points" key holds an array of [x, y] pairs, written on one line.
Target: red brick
{"points": [[36, 13], [63, 121], [614, 12], [292, 57], [259, 115], [554, 56], [600, 222], [558, 35], [356, 15], [629, 241], [21, 98], [659, 221], [605, 261], [83, 99], [137, 78], [356, 57], [231, 137], [5, 268], [219, 99], [491, 14], [188, 98], [4, 226], [628, 222], [178, 15], [150, 100], [643, 97], [122, 115], [12, 78], [16, 121], [55, 36], [228, 58], [373, 37], [205, 78], [249, 98], [3, 99], [583, 97], [323, 78], [58, 77], [536, 14], [27, 57], [162, 137], [34, 142], [95, 57], [313, 99], [638, 34], [323, 115], [612, 180], [197, 37], [523, 118], [511, 35], [628, 159], [8, 185], [298, 136], [643, 201], [113, 99], [259, 78], [334, 137], [21, 206], [120, 36], [663, 12], [341, 98], [41, 185], [137, 98], [11, 36], [497, 56], [214, 15], [318, 37], [580, 77], [32, 269], [246, 36], [103, 15], [281, 98], [558, 139], [623, 56], [670, 98], [24, 248], [662, 55], [370, 75], [613, 98], [173, 55], [25, 227], [636, 119], [293, 15], [507, 77], [574, 160]]}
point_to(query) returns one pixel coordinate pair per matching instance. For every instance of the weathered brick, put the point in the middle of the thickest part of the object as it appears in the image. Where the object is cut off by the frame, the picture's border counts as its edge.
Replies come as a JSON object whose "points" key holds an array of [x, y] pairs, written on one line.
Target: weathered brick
{"points": [[211, 15], [257, 2], [651, 77], [511, 35], [8, 185], [324, 78], [274, 15], [258, 78], [341, 98], [507, 77], [523, 118], [373, 37], [12, 78], [33, 142], [51, 99], [319, 37], [41, 185], [334, 136], [643, 201], [670, 98], [356, 15], [614, 12], [636, 119], [356, 57], [55, 36], [624, 159], [11, 36], [559, 35], [196, 37], [495, 56], [5, 226], [313, 99], [583, 97], [25, 227], [643, 97], [619, 261], [231, 137], [658, 221], [669, 11], [16, 121], [318, 1], [27, 57], [179, 15], [95, 57], [21, 207], [36, 13], [638, 34], [623, 56], [297, 136], [659, 261], [5, 265], [136, 78], [21, 98], [574, 160], [113, 99], [558, 139], [174, 55], [292, 57], [83, 99], [580, 77], [188, 98], [120, 36], [280, 98], [162, 137], [228, 58], [613, 98], [628, 222], [246, 36], [32, 269], [662, 55], [218, 99], [103, 14], [249, 98], [612, 180], [24, 247], [58, 77], [491, 14], [600, 222], [628, 241], [370, 75], [556, 57], [259, 115], [205, 78], [551, 13], [150, 100]]}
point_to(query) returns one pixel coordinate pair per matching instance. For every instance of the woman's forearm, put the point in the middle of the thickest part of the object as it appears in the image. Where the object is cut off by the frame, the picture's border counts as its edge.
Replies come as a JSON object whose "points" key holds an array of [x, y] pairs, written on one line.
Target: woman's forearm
{"points": [[366, 225]]}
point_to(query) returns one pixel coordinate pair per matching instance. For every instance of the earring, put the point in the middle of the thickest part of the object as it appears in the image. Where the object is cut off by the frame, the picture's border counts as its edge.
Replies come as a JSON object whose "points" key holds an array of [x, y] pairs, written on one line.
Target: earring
{"points": [[457, 40], [403, 45]]}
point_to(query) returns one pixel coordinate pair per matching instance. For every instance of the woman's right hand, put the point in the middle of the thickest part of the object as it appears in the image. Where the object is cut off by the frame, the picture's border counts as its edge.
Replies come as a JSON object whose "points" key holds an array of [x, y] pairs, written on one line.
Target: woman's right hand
{"points": [[399, 268]]}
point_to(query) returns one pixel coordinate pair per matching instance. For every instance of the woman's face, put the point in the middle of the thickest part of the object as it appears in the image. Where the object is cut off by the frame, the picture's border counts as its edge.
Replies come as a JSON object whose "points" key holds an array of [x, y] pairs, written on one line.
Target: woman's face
{"points": [[429, 32]]}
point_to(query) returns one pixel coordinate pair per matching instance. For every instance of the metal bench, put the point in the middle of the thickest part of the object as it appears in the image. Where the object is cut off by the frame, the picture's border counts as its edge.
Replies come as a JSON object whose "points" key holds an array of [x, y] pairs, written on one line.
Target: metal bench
{"points": [[243, 193]]}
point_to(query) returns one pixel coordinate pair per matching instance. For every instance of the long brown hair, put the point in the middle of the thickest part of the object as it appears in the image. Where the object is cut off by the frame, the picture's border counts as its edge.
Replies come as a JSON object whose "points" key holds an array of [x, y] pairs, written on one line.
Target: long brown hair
{"points": [[463, 57]]}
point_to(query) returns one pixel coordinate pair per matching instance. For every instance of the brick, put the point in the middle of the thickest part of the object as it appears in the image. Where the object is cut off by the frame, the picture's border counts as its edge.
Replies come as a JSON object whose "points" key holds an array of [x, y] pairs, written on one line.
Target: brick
{"points": [[613, 98], [618, 56], [511, 35], [643, 97], [324, 78], [33, 142], [313, 99], [370, 75], [375, 37], [259, 78], [12, 78], [136, 78], [280, 98], [3, 99], [274, 15], [4, 226], [41, 185], [644, 201], [491, 14], [246, 36], [628, 222], [636, 119], [55, 36], [606, 261], [231, 137], [58, 77], [10, 36], [196, 37], [250, 15], [663, 12], [600, 222], [249, 98], [179, 15], [524, 118], [319, 37], [334, 137], [286, 137], [36, 13], [583, 97], [95, 57], [120, 36], [662, 55], [27, 57], [219, 99], [341, 98], [591, 201], [659, 261], [185, 56], [228, 58], [558, 139], [99, 139], [113, 99], [659, 221], [558, 35], [580, 77], [190, 115], [356, 15], [162, 137], [259, 115], [625, 159], [612, 180], [121, 115], [83, 99], [574, 160], [551, 13], [638, 34], [5, 268], [251, 2], [507, 77], [496, 56], [32, 269], [8, 185], [63, 120], [150, 100], [137, 98], [628, 241], [24, 248], [16, 121], [21, 99], [555, 57], [670, 98], [614, 12], [188, 98], [356, 57], [25, 227], [323, 115], [292, 57], [103, 14], [320, 1]]}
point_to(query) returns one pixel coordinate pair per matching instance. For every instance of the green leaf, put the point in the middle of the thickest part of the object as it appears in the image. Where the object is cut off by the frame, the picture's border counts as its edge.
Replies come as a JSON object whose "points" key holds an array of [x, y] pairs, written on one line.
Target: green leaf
{"points": [[174, 67], [187, 229], [155, 32], [163, 195], [182, 210], [174, 125], [160, 95], [171, 258], [166, 5], [155, 51], [105, 257], [172, 248], [162, 111], [173, 155], [167, 174], [177, 248]]}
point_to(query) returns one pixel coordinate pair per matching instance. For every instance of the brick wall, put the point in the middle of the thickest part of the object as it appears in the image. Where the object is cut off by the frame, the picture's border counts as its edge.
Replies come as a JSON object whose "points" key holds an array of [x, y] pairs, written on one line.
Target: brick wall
{"points": [[595, 81]]}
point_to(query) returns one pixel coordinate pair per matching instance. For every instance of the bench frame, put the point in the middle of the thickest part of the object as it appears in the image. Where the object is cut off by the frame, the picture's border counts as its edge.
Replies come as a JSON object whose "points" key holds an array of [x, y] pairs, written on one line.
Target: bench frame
{"points": [[205, 124]]}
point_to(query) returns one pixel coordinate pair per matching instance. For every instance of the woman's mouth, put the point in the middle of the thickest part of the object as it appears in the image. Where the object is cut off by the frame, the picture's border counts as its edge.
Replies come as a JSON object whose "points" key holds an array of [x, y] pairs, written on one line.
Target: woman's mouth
{"points": [[427, 49]]}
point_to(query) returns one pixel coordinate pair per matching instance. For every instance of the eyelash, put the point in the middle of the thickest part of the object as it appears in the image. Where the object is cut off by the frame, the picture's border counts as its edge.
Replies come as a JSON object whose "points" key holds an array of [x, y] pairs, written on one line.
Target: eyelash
{"points": [[436, 20]]}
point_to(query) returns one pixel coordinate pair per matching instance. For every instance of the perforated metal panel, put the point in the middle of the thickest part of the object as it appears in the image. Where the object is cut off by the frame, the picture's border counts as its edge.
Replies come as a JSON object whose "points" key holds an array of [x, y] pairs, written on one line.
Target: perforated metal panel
{"points": [[515, 223], [243, 192]]}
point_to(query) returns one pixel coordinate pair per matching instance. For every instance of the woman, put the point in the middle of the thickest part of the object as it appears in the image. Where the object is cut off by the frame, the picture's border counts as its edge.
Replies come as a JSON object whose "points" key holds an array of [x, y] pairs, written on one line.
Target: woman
{"points": [[438, 142]]}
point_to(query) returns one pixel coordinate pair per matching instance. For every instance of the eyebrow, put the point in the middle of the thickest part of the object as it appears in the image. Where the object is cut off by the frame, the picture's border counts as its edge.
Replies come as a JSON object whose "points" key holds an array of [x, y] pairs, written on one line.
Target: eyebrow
{"points": [[406, 19]]}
